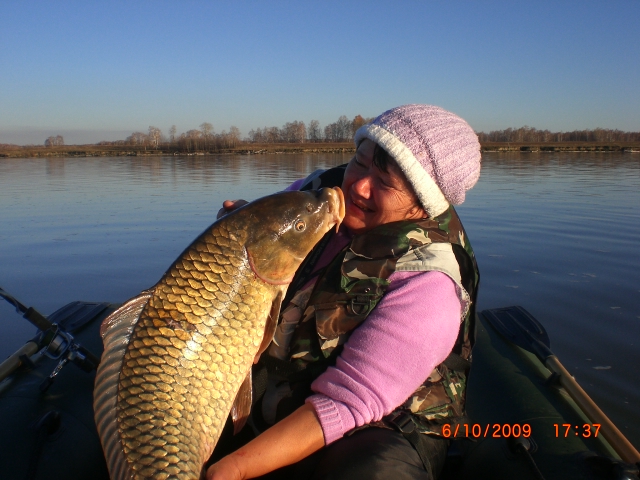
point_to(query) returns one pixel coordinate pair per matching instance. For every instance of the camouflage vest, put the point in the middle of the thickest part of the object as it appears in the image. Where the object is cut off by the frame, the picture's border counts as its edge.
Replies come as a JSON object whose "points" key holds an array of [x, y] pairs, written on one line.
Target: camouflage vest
{"points": [[355, 281]]}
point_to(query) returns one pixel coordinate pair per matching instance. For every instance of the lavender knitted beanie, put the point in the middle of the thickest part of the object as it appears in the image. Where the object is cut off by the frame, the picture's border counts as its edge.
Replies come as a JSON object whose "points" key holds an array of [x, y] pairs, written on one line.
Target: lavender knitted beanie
{"points": [[438, 152]]}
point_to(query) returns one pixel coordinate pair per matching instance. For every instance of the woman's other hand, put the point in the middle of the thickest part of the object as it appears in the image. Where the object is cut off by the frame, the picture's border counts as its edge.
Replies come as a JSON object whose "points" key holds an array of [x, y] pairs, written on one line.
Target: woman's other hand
{"points": [[230, 205]]}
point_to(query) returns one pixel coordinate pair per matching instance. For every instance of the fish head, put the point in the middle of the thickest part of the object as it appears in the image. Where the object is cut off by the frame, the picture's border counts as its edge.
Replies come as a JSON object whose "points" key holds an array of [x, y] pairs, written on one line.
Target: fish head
{"points": [[283, 228]]}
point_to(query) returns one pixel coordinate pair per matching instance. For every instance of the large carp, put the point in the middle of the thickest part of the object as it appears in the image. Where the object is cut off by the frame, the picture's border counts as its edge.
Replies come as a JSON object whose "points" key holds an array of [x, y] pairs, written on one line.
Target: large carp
{"points": [[178, 355]]}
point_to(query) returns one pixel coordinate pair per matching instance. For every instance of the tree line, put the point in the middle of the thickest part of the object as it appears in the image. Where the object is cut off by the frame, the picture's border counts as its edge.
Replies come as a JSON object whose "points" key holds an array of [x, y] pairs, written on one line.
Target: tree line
{"points": [[203, 139], [206, 139], [342, 130], [533, 135]]}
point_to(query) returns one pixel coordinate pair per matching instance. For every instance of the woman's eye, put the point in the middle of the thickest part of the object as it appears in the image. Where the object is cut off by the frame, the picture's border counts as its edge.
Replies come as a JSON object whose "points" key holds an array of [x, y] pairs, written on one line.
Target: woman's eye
{"points": [[386, 183], [300, 226]]}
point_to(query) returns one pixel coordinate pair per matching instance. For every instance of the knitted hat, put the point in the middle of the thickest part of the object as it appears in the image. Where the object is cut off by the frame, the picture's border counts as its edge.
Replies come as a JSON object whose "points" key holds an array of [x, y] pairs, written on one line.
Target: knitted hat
{"points": [[438, 152]]}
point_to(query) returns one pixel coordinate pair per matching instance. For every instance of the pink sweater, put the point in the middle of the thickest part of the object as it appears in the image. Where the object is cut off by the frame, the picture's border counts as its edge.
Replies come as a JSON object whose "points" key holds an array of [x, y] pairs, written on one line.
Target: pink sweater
{"points": [[390, 354], [411, 331]]}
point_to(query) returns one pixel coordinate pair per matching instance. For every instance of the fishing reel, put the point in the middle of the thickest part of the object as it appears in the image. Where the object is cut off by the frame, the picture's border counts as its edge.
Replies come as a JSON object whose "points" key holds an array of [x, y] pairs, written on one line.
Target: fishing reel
{"points": [[52, 341], [60, 345]]}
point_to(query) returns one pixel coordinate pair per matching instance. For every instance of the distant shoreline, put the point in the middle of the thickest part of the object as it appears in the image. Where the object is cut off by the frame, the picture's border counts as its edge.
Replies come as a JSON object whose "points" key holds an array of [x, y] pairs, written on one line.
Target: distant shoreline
{"points": [[289, 148]]}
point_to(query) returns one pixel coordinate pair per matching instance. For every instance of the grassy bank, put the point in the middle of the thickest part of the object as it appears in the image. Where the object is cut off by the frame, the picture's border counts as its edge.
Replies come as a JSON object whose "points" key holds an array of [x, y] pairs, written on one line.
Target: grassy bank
{"points": [[13, 151]]}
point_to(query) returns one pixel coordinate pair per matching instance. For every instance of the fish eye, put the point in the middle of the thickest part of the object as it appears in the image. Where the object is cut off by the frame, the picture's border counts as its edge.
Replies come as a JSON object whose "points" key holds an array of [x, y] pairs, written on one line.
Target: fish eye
{"points": [[300, 226]]}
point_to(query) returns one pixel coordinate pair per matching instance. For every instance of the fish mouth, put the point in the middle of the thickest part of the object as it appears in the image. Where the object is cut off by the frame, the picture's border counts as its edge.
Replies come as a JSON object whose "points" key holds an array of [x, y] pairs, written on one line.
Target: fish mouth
{"points": [[336, 206]]}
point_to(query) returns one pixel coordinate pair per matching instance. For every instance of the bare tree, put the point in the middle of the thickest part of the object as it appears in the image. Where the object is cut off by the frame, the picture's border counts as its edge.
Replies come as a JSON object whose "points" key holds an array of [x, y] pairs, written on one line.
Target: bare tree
{"points": [[343, 128], [339, 131], [299, 132], [207, 133], [172, 133], [313, 132], [234, 136], [286, 132], [272, 134], [258, 136], [56, 141], [192, 139], [293, 132], [330, 132], [154, 136], [137, 138]]}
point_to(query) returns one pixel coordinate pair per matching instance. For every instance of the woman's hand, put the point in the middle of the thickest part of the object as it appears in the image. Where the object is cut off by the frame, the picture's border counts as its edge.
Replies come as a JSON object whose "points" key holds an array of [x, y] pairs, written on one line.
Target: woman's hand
{"points": [[229, 206], [288, 441], [225, 469]]}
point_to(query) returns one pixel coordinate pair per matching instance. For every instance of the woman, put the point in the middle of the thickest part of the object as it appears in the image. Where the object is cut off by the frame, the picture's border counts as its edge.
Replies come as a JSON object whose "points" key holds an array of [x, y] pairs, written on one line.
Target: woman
{"points": [[371, 354]]}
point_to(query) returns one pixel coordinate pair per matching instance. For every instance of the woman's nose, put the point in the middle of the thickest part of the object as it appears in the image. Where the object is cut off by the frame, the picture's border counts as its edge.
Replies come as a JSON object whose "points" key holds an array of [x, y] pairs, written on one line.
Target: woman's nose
{"points": [[362, 186]]}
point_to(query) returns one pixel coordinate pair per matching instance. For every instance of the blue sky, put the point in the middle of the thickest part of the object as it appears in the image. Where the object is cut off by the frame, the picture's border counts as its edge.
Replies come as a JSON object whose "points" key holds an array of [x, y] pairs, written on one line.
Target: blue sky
{"points": [[96, 71]]}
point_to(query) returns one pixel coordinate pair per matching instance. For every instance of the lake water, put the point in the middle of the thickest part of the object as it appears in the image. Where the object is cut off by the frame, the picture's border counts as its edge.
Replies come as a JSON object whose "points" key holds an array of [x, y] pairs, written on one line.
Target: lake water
{"points": [[558, 234]]}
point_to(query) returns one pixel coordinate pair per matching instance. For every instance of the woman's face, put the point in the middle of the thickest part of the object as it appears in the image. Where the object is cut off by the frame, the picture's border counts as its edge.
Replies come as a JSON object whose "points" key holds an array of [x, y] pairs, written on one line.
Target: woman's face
{"points": [[374, 197]]}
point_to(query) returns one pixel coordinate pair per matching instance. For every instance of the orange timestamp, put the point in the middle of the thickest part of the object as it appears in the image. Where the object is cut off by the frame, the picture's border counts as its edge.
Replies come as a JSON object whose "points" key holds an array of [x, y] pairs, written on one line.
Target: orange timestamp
{"points": [[493, 430], [585, 430]]}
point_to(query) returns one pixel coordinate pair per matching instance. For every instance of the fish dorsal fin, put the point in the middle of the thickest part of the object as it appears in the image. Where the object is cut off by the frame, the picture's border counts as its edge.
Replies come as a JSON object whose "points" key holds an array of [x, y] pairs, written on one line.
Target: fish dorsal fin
{"points": [[242, 404], [244, 398], [115, 330]]}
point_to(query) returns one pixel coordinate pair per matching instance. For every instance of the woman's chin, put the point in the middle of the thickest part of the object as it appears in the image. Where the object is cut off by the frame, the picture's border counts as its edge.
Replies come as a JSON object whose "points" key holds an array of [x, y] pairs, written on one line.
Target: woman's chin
{"points": [[354, 225]]}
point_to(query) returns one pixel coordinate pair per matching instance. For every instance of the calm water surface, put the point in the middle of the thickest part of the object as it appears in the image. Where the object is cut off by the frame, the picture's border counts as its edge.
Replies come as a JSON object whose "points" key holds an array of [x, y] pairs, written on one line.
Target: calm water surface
{"points": [[555, 233]]}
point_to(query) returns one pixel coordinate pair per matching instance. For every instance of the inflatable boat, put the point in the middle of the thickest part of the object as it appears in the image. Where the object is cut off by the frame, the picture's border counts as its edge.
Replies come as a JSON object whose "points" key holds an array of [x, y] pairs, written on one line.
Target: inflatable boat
{"points": [[527, 417]]}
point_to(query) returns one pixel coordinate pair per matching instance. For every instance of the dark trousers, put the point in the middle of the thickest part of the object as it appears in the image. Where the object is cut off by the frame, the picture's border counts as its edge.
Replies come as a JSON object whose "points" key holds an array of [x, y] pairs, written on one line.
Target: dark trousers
{"points": [[371, 453]]}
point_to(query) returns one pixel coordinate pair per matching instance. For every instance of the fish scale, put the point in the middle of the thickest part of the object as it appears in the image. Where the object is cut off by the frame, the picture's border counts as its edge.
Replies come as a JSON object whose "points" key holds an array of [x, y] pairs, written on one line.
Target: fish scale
{"points": [[188, 329], [177, 355]]}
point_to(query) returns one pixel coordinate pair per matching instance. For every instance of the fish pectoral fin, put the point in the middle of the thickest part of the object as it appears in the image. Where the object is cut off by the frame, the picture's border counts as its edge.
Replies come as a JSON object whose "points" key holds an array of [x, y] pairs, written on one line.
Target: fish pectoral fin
{"points": [[270, 326], [127, 314], [242, 404]]}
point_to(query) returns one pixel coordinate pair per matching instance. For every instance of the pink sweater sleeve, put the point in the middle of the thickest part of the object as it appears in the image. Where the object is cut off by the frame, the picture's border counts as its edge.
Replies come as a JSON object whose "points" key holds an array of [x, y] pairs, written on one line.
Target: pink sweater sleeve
{"points": [[295, 185], [411, 330]]}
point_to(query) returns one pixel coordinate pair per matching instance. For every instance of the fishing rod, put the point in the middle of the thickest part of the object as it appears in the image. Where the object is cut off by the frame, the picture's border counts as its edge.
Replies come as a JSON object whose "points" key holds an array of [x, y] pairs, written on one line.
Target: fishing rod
{"points": [[30, 313], [52, 341]]}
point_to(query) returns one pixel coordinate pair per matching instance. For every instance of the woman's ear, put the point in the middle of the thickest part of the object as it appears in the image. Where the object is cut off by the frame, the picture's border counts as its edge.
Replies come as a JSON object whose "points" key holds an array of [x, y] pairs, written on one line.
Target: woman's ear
{"points": [[417, 212]]}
